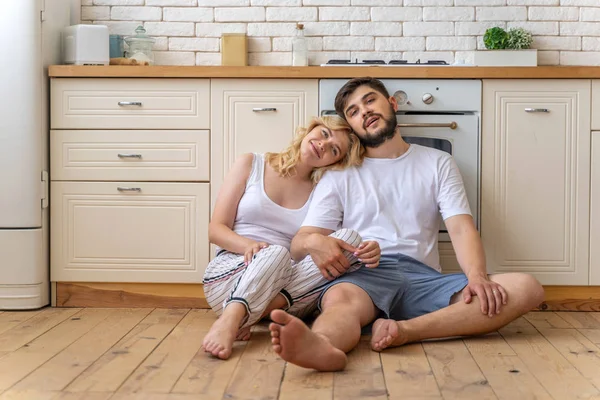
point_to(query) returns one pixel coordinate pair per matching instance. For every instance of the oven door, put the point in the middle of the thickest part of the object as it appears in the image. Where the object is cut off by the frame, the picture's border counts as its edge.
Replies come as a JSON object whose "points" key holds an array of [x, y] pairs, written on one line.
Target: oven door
{"points": [[456, 134]]}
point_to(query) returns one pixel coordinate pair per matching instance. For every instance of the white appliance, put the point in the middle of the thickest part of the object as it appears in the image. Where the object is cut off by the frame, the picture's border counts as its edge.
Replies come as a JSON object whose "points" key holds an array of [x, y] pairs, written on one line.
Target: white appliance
{"points": [[444, 114], [29, 42], [86, 44]]}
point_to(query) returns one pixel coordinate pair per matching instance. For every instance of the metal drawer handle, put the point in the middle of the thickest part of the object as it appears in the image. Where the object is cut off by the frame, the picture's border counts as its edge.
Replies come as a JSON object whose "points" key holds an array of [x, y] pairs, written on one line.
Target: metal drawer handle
{"points": [[451, 125], [264, 109], [129, 155], [130, 103], [129, 189], [544, 110]]}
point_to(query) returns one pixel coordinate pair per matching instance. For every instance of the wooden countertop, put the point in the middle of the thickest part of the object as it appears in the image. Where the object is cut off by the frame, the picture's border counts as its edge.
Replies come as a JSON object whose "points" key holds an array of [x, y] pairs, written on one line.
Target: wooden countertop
{"points": [[448, 72]]}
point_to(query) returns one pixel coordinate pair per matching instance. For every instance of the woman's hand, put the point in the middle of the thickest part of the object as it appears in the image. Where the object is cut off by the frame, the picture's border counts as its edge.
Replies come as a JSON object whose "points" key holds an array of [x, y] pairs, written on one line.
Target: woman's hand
{"points": [[252, 249], [369, 253]]}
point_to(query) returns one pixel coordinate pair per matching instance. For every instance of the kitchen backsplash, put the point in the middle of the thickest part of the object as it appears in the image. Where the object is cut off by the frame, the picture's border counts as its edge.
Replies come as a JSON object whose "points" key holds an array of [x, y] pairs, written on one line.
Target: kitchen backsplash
{"points": [[566, 32]]}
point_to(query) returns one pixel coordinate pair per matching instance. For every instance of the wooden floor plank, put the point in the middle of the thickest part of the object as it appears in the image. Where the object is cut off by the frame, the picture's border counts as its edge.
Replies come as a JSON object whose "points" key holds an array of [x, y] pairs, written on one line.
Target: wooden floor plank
{"points": [[593, 335], [61, 370], [207, 377], [504, 370], [162, 369], [83, 396], [155, 396], [551, 369], [113, 368], [18, 364], [455, 371], [363, 376], [33, 327], [303, 384], [547, 319], [408, 374], [581, 319], [259, 371], [10, 319], [27, 395], [578, 350]]}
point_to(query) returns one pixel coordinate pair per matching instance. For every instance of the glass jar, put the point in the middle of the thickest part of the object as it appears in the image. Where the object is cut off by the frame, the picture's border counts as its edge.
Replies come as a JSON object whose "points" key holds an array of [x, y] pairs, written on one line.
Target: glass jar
{"points": [[140, 46]]}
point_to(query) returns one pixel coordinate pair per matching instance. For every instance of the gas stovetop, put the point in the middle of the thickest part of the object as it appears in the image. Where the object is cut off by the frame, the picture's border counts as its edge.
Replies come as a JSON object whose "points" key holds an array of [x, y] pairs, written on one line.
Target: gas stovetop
{"points": [[391, 63]]}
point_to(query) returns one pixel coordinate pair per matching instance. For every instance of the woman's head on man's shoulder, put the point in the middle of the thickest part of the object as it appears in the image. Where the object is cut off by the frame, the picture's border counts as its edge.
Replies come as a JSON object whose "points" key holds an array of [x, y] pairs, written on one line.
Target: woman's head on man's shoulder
{"points": [[327, 142]]}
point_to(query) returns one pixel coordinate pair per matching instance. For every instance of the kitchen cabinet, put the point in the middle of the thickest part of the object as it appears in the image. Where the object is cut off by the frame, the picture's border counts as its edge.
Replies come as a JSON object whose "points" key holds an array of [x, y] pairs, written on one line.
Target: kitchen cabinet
{"points": [[596, 105], [256, 115], [129, 231], [130, 180], [535, 178], [595, 207]]}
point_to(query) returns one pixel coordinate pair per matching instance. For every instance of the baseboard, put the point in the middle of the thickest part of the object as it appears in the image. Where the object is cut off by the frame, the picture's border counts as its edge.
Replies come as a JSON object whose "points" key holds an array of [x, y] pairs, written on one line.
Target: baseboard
{"points": [[130, 295], [571, 298], [170, 295]]}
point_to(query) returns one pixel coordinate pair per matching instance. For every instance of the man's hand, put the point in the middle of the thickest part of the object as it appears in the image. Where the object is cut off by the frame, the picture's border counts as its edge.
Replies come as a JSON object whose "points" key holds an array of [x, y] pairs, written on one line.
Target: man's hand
{"points": [[326, 252], [252, 249], [491, 295], [369, 253]]}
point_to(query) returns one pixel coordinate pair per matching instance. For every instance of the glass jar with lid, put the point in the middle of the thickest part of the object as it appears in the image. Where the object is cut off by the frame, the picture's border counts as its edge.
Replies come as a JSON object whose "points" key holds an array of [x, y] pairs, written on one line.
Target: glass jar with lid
{"points": [[140, 46]]}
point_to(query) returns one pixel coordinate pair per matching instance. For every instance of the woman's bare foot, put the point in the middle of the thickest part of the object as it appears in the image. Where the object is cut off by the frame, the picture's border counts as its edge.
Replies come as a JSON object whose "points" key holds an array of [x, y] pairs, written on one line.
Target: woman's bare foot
{"points": [[386, 333], [243, 334], [296, 343], [219, 340]]}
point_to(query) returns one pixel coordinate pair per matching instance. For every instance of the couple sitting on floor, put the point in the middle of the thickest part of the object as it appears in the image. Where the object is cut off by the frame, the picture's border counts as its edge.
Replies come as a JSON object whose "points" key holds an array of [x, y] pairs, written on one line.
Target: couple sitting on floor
{"points": [[345, 222]]}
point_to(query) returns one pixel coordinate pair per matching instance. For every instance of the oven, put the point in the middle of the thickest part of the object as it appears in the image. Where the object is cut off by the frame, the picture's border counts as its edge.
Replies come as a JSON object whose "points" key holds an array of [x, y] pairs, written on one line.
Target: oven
{"points": [[444, 114]]}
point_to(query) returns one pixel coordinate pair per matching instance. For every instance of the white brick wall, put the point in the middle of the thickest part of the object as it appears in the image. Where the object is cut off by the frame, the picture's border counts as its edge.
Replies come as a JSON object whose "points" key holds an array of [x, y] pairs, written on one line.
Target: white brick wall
{"points": [[187, 32]]}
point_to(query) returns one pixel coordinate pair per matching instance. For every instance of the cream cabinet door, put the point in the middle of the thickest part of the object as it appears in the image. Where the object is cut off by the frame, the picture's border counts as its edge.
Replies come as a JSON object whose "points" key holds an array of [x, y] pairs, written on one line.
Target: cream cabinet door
{"points": [[256, 115], [129, 231], [535, 178], [595, 212]]}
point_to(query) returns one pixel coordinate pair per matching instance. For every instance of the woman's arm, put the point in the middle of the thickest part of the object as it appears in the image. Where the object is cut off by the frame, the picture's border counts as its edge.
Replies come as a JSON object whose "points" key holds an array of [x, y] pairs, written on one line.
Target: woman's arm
{"points": [[220, 229]]}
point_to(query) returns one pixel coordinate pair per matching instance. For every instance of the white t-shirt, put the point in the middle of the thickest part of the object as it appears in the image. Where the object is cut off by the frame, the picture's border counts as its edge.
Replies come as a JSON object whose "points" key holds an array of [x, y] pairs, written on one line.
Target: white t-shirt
{"points": [[396, 202]]}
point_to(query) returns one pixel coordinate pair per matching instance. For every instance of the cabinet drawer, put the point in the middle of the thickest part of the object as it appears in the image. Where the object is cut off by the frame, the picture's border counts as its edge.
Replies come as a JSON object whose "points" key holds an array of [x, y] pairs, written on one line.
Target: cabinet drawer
{"points": [[129, 231], [130, 103], [129, 155]]}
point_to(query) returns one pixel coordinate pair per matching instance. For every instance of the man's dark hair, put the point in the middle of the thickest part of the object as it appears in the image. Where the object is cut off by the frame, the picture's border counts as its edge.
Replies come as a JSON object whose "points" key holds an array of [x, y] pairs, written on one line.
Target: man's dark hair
{"points": [[346, 91]]}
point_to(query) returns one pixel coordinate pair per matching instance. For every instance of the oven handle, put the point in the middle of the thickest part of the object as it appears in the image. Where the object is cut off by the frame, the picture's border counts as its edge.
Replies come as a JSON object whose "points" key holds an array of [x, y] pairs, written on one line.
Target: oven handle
{"points": [[451, 125]]}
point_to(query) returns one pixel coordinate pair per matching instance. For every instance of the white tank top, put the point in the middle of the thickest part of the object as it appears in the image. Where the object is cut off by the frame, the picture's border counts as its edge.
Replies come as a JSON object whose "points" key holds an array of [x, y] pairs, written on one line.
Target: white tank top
{"points": [[261, 219]]}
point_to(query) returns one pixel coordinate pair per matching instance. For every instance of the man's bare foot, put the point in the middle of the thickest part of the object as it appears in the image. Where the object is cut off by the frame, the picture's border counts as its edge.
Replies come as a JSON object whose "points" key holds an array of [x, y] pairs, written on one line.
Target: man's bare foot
{"points": [[386, 333], [294, 342], [219, 340], [243, 334]]}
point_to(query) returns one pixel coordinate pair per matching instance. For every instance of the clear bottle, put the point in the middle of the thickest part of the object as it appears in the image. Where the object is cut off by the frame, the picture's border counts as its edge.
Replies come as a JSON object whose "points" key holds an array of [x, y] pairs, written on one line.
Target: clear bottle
{"points": [[299, 48]]}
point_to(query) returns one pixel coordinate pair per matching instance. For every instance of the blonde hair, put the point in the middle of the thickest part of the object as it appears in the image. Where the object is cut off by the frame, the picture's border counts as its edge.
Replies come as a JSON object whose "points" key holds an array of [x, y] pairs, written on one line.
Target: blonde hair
{"points": [[285, 162]]}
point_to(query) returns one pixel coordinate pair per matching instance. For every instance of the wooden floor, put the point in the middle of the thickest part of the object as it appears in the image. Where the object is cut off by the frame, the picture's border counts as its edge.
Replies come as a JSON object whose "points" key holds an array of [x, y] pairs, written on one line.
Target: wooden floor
{"points": [[154, 354]]}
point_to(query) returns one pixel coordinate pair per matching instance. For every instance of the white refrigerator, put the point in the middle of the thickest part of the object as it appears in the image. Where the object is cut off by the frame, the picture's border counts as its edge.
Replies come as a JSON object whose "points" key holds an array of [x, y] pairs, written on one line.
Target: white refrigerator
{"points": [[29, 42]]}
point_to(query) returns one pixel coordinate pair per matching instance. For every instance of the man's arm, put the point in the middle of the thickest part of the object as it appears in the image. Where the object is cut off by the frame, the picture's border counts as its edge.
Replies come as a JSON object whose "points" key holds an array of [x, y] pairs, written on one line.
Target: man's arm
{"points": [[326, 251], [471, 258], [454, 207], [303, 242]]}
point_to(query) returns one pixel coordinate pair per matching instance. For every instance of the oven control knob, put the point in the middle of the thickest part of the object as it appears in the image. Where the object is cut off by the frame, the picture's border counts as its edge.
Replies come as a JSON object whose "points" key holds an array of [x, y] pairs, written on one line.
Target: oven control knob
{"points": [[427, 98]]}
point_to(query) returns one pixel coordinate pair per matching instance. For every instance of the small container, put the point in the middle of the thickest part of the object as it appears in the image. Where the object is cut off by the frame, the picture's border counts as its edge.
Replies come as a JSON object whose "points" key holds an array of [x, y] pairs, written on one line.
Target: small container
{"points": [[234, 49], [299, 48], [116, 46], [140, 46]]}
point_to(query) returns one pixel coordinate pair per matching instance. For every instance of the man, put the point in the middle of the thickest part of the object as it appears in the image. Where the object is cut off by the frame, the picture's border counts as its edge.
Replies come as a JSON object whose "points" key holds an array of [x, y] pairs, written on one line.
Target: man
{"points": [[396, 198]]}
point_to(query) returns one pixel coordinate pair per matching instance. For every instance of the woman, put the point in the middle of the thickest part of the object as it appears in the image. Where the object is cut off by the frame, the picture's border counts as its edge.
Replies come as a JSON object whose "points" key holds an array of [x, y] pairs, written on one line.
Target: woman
{"points": [[260, 207]]}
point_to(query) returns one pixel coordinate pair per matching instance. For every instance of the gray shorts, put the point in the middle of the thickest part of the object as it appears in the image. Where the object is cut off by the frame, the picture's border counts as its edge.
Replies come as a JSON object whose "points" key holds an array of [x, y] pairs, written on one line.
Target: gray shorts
{"points": [[404, 288]]}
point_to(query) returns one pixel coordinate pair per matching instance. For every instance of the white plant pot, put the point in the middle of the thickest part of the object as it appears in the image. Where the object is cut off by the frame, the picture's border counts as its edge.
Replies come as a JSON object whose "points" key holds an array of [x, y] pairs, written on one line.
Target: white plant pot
{"points": [[506, 58]]}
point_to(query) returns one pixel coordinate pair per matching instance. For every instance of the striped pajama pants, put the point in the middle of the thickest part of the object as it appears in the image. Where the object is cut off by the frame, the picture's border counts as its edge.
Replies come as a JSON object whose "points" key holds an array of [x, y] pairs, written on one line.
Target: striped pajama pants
{"points": [[269, 273]]}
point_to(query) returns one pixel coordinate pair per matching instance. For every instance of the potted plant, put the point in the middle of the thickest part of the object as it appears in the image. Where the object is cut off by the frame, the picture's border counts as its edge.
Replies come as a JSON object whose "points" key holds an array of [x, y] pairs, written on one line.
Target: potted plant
{"points": [[506, 48]]}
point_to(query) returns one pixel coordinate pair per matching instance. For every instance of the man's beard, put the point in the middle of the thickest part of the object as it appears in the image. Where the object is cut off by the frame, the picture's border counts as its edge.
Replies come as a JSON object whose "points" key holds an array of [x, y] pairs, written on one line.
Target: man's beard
{"points": [[384, 133]]}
